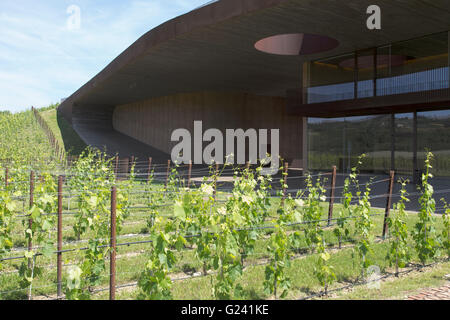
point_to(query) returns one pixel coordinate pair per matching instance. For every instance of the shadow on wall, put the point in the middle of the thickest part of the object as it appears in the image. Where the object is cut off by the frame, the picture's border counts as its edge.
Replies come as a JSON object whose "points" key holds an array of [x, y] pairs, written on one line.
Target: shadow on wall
{"points": [[73, 144]]}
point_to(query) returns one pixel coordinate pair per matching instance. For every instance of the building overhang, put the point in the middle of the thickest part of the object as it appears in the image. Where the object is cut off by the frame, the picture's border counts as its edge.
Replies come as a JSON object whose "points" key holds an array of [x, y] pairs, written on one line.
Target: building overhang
{"points": [[398, 103], [213, 48]]}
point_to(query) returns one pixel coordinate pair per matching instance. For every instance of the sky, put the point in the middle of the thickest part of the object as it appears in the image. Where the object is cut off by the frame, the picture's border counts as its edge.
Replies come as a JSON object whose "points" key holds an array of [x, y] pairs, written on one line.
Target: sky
{"points": [[50, 48]]}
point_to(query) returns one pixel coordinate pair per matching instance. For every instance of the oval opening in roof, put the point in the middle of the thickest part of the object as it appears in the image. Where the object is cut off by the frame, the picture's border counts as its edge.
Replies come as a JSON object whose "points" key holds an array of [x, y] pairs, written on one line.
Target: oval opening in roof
{"points": [[294, 44]]}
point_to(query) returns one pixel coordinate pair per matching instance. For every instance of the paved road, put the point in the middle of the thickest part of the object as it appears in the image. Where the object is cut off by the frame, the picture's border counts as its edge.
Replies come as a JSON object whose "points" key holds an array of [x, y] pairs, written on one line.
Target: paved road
{"points": [[115, 142]]}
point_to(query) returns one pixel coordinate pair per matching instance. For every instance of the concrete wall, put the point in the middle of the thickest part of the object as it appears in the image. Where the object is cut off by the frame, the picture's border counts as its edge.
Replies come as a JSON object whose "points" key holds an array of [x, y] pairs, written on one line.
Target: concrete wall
{"points": [[92, 117], [153, 121]]}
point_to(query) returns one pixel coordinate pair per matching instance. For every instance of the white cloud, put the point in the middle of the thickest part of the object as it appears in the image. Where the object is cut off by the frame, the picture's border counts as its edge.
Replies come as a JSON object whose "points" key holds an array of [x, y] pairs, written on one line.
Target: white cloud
{"points": [[41, 61]]}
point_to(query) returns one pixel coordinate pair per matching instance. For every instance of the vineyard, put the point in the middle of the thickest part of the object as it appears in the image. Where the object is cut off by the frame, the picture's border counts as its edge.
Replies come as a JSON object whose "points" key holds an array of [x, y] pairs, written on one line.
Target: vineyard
{"points": [[99, 227]]}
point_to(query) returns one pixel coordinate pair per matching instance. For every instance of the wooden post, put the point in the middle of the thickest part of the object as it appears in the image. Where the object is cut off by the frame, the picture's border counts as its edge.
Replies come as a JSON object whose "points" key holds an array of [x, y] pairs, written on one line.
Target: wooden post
{"points": [[392, 141], [167, 174], [388, 203], [126, 168], [149, 172], [247, 168], [189, 174], [332, 193], [6, 177], [285, 175], [131, 166], [215, 181], [30, 221], [116, 166], [112, 261], [59, 245]]}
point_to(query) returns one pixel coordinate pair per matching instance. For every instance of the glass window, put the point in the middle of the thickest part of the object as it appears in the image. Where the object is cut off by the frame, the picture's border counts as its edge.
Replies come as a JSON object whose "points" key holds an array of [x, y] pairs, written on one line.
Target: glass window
{"points": [[325, 143], [331, 79], [433, 133], [415, 65], [340, 141], [388, 142], [366, 74], [403, 139]]}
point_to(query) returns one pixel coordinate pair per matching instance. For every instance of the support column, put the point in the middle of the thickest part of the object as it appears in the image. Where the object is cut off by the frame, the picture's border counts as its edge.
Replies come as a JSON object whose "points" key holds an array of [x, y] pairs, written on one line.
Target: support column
{"points": [[305, 143], [415, 167], [303, 121], [393, 141], [375, 71], [356, 75], [306, 76], [448, 43], [344, 148]]}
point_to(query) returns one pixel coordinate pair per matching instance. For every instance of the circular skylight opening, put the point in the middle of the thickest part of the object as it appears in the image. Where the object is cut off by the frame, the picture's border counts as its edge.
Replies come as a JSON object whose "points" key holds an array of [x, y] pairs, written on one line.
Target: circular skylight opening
{"points": [[294, 44]]}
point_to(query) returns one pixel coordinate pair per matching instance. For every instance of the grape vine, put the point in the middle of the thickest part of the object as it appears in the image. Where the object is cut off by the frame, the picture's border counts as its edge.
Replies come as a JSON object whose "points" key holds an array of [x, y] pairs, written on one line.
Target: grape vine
{"points": [[424, 233], [399, 253]]}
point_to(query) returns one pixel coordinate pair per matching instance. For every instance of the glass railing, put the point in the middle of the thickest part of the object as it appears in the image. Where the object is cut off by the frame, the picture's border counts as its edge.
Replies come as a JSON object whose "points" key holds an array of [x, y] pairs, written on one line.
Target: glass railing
{"points": [[428, 80], [434, 79]]}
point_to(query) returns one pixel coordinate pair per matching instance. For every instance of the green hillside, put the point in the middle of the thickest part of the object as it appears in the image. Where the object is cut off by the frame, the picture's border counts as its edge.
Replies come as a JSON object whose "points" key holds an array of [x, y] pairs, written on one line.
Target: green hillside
{"points": [[22, 139], [64, 132]]}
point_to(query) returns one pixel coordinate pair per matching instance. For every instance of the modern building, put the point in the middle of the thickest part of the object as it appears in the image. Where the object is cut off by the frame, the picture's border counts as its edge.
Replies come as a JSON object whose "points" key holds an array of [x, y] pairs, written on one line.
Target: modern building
{"points": [[313, 69]]}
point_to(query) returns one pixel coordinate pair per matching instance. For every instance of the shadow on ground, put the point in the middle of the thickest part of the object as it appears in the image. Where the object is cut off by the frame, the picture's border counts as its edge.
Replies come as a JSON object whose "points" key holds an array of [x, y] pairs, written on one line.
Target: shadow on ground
{"points": [[72, 141]]}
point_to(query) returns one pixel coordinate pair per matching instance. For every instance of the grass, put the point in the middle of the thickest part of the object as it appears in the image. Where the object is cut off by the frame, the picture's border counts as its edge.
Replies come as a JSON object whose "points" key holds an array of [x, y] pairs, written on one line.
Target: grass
{"points": [[64, 132], [22, 140], [132, 259], [410, 283]]}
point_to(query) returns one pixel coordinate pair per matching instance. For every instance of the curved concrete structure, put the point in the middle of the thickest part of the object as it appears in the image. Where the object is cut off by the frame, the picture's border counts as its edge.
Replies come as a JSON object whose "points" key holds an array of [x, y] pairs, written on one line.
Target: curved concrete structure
{"points": [[152, 121], [149, 89]]}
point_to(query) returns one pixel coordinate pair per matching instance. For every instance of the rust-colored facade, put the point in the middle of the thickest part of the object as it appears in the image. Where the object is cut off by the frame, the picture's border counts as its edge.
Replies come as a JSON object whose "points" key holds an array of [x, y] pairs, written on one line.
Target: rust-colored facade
{"points": [[216, 110], [278, 64]]}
